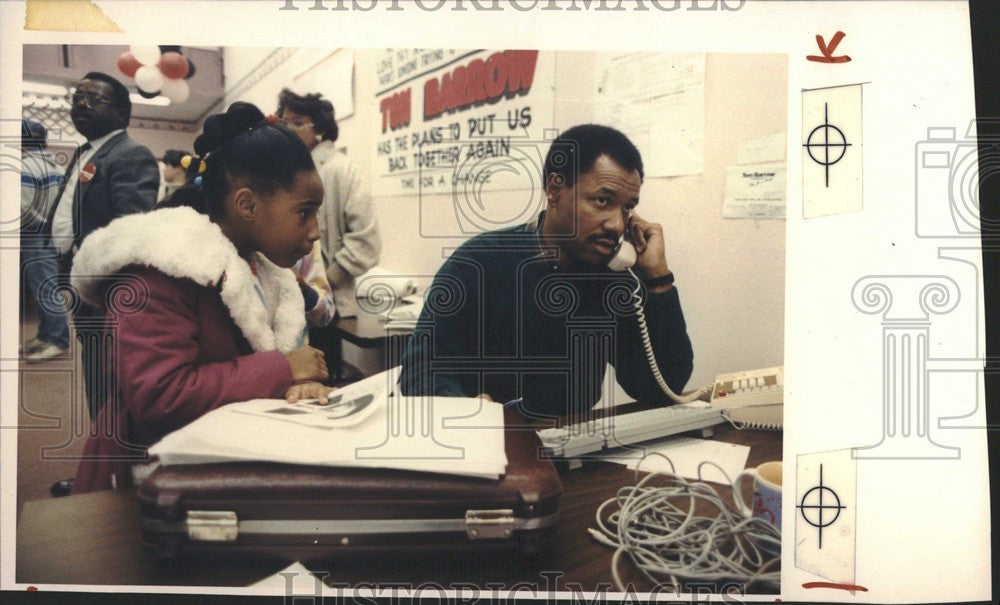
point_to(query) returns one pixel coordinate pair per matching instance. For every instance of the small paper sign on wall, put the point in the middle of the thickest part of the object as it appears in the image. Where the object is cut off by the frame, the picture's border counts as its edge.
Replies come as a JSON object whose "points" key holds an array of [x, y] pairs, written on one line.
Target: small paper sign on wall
{"points": [[755, 191], [831, 151]]}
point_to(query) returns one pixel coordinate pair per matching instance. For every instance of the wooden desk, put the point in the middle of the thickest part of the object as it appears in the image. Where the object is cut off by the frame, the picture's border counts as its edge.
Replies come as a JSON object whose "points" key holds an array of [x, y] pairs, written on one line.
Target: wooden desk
{"points": [[95, 539], [366, 330], [370, 348]]}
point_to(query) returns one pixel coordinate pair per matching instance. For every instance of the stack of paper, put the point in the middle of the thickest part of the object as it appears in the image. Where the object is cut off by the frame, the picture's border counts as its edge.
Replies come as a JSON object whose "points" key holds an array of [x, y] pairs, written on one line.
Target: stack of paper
{"points": [[459, 436], [404, 315], [379, 281]]}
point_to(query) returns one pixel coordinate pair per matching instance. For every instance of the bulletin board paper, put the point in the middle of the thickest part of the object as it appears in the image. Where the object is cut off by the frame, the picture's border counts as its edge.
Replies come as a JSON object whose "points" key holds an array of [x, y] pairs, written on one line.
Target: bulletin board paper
{"points": [[658, 100], [769, 148], [755, 191]]}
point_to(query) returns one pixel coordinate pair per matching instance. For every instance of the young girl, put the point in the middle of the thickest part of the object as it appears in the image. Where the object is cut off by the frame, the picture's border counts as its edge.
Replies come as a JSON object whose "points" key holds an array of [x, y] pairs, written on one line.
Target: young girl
{"points": [[205, 308]]}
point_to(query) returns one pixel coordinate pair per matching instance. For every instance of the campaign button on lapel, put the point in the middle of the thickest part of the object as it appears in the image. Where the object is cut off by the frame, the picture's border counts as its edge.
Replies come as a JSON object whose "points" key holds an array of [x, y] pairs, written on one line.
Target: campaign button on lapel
{"points": [[87, 172]]}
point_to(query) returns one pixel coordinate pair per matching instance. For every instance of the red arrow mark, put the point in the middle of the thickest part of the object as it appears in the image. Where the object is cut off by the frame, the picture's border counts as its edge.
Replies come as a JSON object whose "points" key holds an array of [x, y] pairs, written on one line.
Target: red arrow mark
{"points": [[828, 49], [851, 587]]}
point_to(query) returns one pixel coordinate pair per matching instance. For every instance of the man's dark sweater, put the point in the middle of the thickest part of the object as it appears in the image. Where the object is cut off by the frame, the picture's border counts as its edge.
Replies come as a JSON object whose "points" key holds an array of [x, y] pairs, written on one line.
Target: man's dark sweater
{"points": [[501, 318]]}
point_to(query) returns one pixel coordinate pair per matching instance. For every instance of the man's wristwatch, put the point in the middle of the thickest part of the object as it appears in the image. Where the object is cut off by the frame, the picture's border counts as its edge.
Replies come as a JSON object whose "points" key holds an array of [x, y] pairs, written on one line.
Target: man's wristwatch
{"points": [[663, 280]]}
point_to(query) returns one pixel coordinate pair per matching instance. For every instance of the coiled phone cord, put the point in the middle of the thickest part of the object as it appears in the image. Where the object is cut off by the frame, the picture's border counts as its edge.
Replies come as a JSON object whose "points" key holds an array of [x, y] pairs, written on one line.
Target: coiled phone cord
{"points": [[647, 345], [656, 527]]}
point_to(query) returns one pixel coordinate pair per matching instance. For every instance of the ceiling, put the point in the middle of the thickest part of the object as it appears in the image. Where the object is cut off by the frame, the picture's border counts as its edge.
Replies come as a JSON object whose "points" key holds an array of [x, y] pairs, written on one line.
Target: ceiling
{"points": [[65, 64]]}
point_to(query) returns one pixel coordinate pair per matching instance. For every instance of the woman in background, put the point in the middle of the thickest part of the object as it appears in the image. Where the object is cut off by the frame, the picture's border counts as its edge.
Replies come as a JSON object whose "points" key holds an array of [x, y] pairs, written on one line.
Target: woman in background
{"points": [[349, 233]]}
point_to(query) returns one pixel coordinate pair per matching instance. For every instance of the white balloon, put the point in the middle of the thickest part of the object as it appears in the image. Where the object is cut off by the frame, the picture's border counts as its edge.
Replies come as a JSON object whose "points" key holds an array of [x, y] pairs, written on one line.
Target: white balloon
{"points": [[175, 90], [149, 79], [147, 55]]}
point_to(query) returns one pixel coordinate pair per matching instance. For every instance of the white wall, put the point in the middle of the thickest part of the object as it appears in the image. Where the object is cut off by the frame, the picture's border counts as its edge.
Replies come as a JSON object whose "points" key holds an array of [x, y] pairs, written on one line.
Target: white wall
{"points": [[159, 141], [730, 273], [257, 75]]}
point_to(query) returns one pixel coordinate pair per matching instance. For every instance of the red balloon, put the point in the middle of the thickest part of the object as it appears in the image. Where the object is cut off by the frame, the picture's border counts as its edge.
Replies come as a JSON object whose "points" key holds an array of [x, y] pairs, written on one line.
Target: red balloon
{"points": [[173, 65], [128, 64]]}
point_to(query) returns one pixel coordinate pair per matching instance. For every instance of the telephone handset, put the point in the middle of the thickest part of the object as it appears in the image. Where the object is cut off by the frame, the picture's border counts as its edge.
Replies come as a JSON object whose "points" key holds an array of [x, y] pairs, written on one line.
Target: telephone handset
{"points": [[625, 256], [623, 260]]}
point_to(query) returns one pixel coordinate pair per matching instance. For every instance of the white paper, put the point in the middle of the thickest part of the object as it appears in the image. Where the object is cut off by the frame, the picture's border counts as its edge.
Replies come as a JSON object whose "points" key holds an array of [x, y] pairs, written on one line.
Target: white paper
{"points": [[379, 281], [632, 117], [658, 100], [755, 191], [831, 151], [408, 310], [346, 406], [826, 514], [407, 433], [337, 411], [768, 148], [686, 453]]}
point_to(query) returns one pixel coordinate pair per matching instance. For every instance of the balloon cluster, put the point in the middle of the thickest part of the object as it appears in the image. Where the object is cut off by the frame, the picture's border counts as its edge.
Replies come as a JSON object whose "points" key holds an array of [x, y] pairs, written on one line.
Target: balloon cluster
{"points": [[158, 70]]}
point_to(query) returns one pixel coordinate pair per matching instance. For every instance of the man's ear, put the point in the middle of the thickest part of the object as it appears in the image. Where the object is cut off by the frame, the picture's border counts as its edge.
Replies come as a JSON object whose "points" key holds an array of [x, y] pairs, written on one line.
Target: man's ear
{"points": [[246, 203], [554, 185]]}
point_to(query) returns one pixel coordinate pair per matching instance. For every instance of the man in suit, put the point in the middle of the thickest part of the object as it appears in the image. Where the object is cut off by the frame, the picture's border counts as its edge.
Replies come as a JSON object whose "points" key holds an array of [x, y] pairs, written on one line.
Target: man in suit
{"points": [[109, 176]]}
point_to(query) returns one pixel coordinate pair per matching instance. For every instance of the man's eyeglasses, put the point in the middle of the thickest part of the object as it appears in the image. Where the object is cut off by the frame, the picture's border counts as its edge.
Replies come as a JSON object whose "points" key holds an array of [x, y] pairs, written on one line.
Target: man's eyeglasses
{"points": [[90, 99], [295, 126]]}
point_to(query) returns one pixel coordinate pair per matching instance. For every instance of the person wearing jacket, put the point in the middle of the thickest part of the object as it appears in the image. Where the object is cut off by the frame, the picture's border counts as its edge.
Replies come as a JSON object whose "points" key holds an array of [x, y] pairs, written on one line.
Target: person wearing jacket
{"points": [[40, 180], [532, 315], [205, 306], [109, 176], [349, 232]]}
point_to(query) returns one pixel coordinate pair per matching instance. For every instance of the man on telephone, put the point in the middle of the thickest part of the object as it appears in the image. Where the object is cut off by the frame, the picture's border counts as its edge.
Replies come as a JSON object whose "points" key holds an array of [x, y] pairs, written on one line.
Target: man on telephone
{"points": [[532, 314]]}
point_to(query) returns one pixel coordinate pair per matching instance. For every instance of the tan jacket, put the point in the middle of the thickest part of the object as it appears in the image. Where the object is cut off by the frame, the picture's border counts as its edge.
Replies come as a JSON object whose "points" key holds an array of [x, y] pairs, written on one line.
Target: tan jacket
{"points": [[349, 232]]}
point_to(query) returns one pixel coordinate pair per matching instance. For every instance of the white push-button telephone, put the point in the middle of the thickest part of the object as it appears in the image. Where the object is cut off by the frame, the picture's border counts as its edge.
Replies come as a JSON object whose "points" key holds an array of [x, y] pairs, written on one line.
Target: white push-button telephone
{"points": [[754, 387]]}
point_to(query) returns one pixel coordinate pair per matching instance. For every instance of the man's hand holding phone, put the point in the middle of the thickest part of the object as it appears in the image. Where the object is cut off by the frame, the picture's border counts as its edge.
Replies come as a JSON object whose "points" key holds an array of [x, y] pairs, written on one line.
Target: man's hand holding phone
{"points": [[647, 238]]}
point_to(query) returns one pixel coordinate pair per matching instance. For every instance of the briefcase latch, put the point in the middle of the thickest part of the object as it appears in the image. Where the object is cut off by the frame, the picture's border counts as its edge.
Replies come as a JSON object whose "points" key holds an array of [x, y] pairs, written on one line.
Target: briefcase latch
{"points": [[212, 525], [489, 524]]}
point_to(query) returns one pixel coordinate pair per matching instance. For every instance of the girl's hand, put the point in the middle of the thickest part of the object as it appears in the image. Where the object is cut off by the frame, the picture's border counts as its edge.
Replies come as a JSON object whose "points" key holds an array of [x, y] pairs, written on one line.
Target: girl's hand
{"points": [[307, 364], [308, 390]]}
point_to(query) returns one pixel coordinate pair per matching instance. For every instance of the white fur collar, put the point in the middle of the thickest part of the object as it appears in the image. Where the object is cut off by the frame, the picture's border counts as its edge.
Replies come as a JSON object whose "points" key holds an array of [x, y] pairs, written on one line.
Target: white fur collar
{"points": [[184, 243]]}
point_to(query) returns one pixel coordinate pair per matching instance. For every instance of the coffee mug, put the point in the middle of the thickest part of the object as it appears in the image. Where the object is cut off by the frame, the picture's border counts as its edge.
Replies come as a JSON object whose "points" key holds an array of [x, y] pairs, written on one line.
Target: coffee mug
{"points": [[766, 493]]}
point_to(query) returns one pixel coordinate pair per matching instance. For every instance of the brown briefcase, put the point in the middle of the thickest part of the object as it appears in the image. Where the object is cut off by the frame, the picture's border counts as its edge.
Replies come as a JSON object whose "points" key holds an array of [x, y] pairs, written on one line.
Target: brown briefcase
{"points": [[310, 512]]}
